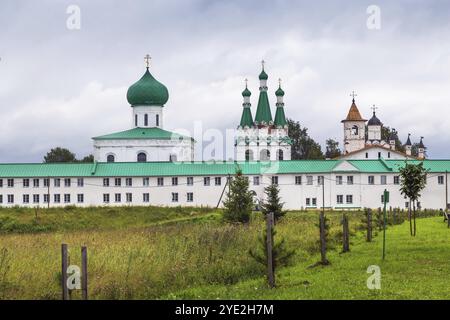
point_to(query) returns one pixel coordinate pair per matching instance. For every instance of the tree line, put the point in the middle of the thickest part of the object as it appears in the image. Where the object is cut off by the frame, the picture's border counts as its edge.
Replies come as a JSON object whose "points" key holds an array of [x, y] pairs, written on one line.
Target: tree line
{"points": [[59, 154], [303, 146]]}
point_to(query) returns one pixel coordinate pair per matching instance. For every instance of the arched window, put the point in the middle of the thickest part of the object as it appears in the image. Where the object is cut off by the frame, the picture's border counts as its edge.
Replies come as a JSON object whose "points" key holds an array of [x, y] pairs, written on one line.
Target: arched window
{"points": [[265, 155], [280, 154], [173, 158], [355, 130], [157, 120], [146, 120], [110, 158], [142, 157], [248, 155], [135, 120]]}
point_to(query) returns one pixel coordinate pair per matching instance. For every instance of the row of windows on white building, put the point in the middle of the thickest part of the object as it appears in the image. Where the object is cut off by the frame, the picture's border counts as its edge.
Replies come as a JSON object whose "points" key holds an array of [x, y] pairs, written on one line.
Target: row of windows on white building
{"points": [[57, 198], [141, 157], [207, 181], [107, 198]]}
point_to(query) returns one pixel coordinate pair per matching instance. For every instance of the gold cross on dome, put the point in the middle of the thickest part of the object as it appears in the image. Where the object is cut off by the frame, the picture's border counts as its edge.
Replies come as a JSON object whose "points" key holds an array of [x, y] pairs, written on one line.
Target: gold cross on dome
{"points": [[246, 81], [263, 63], [374, 108], [279, 82], [147, 59]]}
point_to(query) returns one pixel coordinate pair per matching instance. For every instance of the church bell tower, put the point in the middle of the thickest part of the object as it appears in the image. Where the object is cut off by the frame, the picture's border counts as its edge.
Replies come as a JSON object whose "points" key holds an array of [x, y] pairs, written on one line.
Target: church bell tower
{"points": [[354, 129]]}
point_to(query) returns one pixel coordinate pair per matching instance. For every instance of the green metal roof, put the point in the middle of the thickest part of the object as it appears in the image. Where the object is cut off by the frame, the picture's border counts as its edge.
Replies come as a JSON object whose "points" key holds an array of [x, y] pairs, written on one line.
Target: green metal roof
{"points": [[142, 169], [147, 92], [280, 118], [142, 133], [263, 113], [246, 118], [28, 170]]}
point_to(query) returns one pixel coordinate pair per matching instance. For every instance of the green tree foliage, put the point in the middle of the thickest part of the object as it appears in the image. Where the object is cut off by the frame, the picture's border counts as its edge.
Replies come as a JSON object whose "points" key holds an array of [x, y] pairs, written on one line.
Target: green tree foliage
{"points": [[273, 202], [281, 255], [413, 179], [332, 149], [59, 155], [386, 133], [89, 158], [303, 146], [238, 203]]}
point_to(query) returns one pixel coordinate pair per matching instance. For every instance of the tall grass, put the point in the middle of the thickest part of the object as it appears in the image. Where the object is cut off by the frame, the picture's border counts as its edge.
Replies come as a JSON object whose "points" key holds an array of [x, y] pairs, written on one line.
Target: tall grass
{"points": [[70, 218], [141, 259]]}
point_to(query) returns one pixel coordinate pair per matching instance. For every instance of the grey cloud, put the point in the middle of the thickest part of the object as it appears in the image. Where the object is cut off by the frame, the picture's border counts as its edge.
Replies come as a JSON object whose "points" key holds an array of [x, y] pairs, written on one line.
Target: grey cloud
{"points": [[60, 87]]}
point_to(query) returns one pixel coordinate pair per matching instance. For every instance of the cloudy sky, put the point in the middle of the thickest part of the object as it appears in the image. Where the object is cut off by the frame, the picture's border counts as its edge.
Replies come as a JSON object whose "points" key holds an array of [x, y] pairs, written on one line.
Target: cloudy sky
{"points": [[61, 86]]}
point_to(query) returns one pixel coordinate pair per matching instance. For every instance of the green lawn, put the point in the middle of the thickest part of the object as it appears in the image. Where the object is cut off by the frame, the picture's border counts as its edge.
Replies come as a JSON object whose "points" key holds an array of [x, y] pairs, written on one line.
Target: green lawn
{"points": [[414, 268], [177, 253]]}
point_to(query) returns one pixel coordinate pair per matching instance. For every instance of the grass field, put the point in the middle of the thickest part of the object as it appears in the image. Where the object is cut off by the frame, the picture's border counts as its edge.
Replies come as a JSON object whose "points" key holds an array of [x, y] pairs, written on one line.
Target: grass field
{"points": [[189, 253]]}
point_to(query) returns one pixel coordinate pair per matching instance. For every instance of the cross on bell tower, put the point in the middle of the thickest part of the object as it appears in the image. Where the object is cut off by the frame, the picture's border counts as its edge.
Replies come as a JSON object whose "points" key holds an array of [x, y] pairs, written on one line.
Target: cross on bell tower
{"points": [[374, 109], [353, 95]]}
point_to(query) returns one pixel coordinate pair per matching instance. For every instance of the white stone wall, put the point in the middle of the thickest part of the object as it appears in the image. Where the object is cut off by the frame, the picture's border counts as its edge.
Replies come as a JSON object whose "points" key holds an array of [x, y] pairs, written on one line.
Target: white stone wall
{"points": [[294, 196], [374, 132], [256, 148], [156, 150], [353, 142], [372, 153]]}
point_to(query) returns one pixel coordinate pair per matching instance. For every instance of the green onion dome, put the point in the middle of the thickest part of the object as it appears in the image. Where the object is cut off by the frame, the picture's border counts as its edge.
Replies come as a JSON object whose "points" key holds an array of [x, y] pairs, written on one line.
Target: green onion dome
{"points": [[147, 92], [263, 75], [279, 92], [246, 93]]}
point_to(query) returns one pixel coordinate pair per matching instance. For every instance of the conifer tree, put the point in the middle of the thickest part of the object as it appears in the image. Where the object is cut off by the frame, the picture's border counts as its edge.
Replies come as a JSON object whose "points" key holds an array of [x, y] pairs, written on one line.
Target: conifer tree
{"points": [[273, 203], [281, 255], [239, 199]]}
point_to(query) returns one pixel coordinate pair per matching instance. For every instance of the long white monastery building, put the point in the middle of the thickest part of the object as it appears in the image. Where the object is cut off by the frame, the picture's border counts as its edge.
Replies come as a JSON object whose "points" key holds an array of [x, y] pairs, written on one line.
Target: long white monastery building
{"points": [[148, 165]]}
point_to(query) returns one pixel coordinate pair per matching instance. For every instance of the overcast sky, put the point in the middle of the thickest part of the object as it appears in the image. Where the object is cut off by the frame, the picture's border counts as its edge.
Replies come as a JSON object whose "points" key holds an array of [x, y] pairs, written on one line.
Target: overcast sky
{"points": [[60, 87]]}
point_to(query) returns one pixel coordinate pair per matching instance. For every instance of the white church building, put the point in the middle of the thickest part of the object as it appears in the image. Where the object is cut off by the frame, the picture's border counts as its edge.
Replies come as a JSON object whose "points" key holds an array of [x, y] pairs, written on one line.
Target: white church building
{"points": [[146, 140], [147, 165]]}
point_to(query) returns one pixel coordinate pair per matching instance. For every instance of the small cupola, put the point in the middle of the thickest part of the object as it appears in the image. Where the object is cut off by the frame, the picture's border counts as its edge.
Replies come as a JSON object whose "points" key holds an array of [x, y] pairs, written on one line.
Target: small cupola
{"points": [[421, 149], [374, 121], [246, 118]]}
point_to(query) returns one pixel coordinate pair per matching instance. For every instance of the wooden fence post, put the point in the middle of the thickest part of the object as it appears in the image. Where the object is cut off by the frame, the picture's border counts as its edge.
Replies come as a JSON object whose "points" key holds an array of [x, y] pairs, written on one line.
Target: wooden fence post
{"points": [[369, 225], [346, 236], [84, 273], [323, 240], [390, 213], [270, 266], [64, 265]]}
